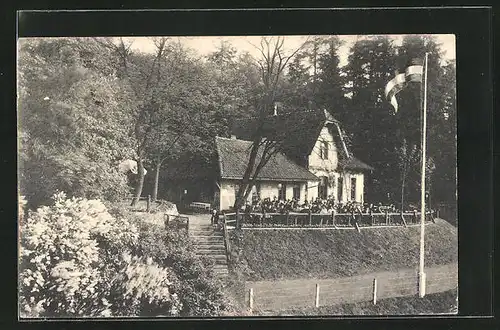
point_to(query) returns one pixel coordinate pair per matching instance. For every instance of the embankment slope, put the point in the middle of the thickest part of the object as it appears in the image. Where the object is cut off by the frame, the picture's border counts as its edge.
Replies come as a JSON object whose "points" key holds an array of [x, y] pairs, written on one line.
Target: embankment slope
{"points": [[293, 254]]}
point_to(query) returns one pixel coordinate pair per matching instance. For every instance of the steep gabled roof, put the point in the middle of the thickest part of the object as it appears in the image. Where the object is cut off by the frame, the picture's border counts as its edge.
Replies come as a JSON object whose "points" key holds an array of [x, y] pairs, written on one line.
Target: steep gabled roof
{"points": [[234, 154], [353, 163], [300, 131]]}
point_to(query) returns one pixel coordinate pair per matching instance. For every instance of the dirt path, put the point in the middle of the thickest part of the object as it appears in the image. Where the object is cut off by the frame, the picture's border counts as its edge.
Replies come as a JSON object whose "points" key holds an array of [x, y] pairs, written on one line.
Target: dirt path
{"points": [[198, 220], [277, 295]]}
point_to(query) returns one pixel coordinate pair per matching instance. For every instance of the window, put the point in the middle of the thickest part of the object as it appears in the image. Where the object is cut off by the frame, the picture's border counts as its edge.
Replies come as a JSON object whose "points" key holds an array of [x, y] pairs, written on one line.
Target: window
{"points": [[296, 192], [256, 192], [340, 188], [322, 193], [323, 150], [353, 189], [282, 191]]}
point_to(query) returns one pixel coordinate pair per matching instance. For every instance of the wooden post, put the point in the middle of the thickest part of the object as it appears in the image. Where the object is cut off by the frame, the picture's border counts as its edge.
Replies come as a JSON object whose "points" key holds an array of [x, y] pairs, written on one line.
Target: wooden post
{"points": [[250, 299], [386, 217], [316, 300], [415, 216], [321, 221], [310, 217], [148, 205], [374, 291], [333, 217], [371, 217], [295, 220]]}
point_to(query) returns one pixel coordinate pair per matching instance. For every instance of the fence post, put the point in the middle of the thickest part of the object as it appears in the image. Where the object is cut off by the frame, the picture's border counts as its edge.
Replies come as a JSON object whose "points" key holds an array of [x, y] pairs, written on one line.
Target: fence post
{"points": [[415, 216], [316, 300], [386, 217], [333, 217], [371, 216], [148, 205], [310, 217], [374, 291], [250, 299]]}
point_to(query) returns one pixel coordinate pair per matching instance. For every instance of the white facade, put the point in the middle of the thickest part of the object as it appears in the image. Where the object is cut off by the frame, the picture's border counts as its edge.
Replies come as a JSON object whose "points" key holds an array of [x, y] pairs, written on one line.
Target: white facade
{"points": [[325, 164], [264, 189]]}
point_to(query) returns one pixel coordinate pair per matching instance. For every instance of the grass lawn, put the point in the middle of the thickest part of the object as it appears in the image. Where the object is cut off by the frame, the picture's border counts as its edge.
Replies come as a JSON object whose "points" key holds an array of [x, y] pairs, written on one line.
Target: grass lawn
{"points": [[438, 303], [294, 254]]}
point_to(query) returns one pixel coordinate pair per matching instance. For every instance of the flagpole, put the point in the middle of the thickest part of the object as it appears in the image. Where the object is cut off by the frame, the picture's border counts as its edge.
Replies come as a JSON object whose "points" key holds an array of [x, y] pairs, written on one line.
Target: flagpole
{"points": [[421, 272]]}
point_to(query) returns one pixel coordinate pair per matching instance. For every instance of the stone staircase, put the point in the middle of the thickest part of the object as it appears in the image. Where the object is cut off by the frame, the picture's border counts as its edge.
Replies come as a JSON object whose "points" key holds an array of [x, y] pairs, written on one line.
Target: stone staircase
{"points": [[210, 244]]}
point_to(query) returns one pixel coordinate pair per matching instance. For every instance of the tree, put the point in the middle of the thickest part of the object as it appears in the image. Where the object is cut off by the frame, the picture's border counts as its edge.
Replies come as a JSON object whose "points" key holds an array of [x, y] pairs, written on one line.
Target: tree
{"points": [[143, 73], [272, 63], [330, 92], [408, 157], [371, 64], [73, 121], [410, 100]]}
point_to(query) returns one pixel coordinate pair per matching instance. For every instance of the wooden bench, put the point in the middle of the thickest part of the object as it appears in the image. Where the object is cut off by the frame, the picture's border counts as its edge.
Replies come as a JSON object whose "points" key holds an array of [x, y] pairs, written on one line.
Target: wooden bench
{"points": [[200, 205]]}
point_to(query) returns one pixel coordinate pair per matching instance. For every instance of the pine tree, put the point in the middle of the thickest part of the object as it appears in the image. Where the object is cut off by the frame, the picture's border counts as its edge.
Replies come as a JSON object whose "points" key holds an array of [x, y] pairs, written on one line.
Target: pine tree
{"points": [[369, 117]]}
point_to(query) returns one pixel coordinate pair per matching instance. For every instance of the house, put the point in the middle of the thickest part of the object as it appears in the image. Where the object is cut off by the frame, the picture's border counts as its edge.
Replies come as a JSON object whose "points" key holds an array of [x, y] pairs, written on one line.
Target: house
{"points": [[314, 162], [280, 177]]}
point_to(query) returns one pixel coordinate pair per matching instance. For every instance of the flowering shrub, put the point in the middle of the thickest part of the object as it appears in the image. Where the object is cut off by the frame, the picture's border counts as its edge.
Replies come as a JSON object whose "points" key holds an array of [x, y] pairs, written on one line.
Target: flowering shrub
{"points": [[144, 286], [199, 290], [73, 262]]}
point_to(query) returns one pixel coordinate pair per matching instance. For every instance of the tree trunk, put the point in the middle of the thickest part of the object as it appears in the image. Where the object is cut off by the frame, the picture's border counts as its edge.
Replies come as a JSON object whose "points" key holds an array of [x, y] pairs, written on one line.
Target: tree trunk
{"points": [[156, 180], [402, 193], [140, 182], [246, 177]]}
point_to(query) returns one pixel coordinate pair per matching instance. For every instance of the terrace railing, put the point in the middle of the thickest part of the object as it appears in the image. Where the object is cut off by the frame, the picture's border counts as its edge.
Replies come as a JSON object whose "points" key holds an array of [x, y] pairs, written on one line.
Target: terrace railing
{"points": [[333, 219]]}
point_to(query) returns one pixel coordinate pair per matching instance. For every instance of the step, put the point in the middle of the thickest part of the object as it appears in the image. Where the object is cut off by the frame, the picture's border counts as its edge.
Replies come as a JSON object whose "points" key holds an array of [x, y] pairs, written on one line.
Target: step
{"points": [[203, 235], [210, 242], [210, 246], [209, 227], [206, 234], [220, 267], [211, 251], [202, 226], [221, 257], [221, 270]]}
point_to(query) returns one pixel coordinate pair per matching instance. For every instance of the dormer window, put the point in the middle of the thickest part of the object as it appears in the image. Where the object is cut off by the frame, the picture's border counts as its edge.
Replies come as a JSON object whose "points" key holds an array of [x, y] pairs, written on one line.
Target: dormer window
{"points": [[323, 151]]}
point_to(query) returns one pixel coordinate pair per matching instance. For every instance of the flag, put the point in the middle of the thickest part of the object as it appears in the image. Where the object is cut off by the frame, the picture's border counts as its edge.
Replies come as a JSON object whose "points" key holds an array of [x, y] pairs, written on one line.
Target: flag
{"points": [[413, 73]]}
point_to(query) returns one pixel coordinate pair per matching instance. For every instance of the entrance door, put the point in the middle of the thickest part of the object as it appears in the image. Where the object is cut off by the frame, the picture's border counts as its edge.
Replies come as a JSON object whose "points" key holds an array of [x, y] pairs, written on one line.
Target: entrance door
{"points": [[340, 188], [322, 193]]}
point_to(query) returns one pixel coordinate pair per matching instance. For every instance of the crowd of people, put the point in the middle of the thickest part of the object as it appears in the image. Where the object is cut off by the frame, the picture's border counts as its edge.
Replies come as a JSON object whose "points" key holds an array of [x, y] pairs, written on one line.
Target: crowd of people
{"points": [[318, 205]]}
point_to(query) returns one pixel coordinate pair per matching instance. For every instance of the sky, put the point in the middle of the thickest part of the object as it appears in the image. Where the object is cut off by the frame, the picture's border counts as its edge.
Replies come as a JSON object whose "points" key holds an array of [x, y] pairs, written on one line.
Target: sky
{"points": [[206, 45]]}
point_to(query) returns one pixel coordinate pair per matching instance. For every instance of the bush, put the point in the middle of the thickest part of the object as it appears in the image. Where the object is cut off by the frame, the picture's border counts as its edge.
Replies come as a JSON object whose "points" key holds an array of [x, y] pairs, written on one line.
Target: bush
{"points": [[199, 291], [74, 262]]}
